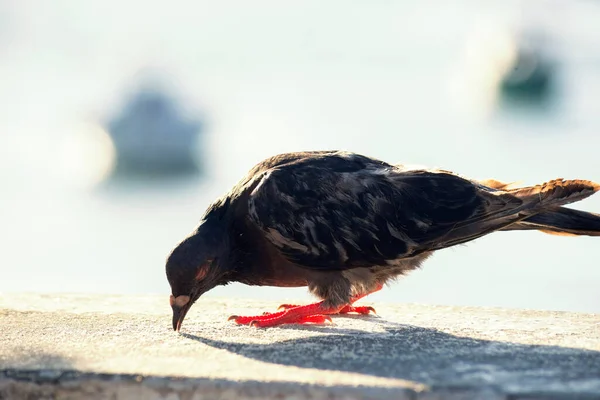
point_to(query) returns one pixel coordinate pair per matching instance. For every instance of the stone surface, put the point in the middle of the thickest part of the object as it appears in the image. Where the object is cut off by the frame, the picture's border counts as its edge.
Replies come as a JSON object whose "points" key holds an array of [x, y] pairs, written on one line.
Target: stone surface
{"points": [[123, 347]]}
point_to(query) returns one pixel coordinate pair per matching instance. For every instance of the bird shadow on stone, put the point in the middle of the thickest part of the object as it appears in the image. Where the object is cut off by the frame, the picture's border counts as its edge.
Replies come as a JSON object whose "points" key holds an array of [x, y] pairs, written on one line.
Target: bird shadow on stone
{"points": [[427, 356]]}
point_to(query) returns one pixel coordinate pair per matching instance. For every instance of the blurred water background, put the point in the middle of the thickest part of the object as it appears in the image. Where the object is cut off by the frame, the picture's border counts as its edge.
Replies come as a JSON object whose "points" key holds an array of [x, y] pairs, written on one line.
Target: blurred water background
{"points": [[86, 87]]}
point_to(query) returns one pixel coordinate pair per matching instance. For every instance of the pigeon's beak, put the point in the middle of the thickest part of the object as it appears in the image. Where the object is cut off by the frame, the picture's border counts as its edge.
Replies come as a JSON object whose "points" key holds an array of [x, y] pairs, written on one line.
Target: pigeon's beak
{"points": [[178, 316], [180, 306]]}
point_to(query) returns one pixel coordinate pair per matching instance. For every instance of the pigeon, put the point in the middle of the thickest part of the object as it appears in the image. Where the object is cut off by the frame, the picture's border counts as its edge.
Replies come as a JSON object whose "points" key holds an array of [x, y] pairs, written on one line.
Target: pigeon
{"points": [[344, 225]]}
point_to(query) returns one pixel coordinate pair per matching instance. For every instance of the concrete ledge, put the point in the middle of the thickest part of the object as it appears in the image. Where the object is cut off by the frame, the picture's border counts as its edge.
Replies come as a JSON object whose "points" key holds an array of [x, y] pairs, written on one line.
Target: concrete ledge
{"points": [[122, 347]]}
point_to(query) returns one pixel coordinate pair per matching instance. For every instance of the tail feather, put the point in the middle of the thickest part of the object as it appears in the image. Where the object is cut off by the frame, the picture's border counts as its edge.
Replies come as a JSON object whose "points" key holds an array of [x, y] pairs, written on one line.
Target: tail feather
{"points": [[547, 215], [561, 221], [534, 207], [557, 192]]}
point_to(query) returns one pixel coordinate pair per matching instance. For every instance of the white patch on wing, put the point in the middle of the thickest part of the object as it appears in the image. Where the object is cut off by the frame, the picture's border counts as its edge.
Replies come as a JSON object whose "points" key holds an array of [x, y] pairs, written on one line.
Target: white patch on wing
{"points": [[281, 241], [254, 196], [263, 178], [385, 171]]}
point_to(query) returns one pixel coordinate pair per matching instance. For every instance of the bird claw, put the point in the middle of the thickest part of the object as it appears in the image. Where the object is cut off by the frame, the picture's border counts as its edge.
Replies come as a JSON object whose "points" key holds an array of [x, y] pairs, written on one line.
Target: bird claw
{"points": [[287, 306], [241, 320], [363, 310]]}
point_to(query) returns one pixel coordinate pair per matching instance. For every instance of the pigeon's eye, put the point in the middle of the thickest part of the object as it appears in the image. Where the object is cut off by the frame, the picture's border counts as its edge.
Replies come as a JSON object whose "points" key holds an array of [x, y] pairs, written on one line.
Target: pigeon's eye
{"points": [[203, 270]]}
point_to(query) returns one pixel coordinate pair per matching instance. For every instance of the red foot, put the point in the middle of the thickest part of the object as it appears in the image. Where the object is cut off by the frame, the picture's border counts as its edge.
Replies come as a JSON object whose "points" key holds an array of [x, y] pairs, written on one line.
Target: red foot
{"points": [[364, 310], [309, 319], [247, 320], [312, 314], [309, 314]]}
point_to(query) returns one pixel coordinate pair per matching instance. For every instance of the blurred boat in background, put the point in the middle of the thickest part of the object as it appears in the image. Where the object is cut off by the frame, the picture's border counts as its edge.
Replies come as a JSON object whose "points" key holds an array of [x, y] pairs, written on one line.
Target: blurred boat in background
{"points": [[530, 76], [153, 138]]}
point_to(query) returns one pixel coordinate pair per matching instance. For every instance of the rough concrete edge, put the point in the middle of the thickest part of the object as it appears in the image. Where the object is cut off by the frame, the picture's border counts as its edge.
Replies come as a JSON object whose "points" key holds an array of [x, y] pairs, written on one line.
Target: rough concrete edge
{"points": [[72, 384]]}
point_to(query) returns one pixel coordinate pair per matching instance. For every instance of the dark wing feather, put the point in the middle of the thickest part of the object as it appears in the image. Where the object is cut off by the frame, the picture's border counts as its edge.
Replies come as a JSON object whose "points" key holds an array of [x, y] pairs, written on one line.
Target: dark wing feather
{"points": [[220, 207], [342, 210]]}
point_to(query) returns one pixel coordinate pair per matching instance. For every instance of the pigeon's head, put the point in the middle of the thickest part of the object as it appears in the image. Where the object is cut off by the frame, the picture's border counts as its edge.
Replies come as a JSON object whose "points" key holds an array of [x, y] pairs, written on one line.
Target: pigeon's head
{"points": [[193, 268]]}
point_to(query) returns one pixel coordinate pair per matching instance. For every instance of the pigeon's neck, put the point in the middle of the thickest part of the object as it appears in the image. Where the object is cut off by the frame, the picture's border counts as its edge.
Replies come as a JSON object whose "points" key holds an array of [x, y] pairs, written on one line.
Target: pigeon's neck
{"points": [[214, 233]]}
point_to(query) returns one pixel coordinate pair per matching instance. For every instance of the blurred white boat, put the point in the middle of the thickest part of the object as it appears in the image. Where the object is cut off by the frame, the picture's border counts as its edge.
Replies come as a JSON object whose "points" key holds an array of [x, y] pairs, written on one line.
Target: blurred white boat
{"points": [[152, 137]]}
